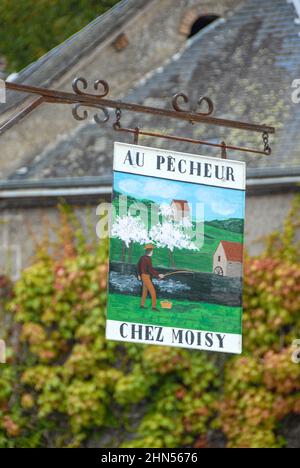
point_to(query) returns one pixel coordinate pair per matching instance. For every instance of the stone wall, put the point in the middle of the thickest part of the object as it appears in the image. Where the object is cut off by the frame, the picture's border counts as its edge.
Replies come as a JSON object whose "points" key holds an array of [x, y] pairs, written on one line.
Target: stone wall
{"points": [[264, 215]]}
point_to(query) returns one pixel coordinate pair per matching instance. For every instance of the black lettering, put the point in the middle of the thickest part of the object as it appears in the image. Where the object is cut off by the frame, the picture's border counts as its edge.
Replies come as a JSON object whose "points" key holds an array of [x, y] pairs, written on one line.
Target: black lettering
{"points": [[207, 170], [136, 330], [189, 337], [221, 340], [129, 158], [171, 166], [177, 336], [199, 339], [122, 330], [148, 333], [209, 340], [195, 166], [139, 162], [160, 160], [181, 162], [160, 337], [230, 174], [222, 175]]}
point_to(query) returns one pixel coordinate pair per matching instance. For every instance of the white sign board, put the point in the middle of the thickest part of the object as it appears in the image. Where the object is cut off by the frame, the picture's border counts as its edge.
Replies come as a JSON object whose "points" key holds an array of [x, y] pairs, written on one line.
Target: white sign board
{"points": [[176, 250]]}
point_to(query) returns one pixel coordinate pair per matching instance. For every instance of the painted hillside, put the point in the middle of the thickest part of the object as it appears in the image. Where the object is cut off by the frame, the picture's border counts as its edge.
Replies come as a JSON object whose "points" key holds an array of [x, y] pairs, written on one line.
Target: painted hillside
{"points": [[213, 232]]}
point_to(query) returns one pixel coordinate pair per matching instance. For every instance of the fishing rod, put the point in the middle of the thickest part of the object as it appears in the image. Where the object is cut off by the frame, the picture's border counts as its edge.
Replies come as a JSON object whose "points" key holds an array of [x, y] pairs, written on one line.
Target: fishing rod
{"points": [[179, 272]]}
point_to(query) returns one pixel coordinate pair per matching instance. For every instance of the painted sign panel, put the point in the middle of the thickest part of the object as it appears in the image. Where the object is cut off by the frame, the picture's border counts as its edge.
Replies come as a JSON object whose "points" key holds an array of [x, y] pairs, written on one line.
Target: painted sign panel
{"points": [[176, 250]]}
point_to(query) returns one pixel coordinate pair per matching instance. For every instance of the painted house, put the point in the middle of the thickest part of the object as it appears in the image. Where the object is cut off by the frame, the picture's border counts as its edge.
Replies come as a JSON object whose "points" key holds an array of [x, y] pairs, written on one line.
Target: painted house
{"points": [[228, 259], [181, 209]]}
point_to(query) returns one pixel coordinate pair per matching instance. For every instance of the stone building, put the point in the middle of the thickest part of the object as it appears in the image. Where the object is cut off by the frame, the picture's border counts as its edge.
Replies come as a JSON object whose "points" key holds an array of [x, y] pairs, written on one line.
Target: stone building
{"points": [[244, 54], [228, 259]]}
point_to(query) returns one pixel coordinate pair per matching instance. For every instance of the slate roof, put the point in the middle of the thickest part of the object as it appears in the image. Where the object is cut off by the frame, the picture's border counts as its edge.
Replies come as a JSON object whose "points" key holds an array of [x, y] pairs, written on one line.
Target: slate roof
{"points": [[245, 63]]}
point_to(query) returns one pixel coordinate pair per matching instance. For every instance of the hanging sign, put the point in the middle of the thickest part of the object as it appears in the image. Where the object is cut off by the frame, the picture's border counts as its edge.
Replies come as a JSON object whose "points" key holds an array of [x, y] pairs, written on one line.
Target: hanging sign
{"points": [[176, 250]]}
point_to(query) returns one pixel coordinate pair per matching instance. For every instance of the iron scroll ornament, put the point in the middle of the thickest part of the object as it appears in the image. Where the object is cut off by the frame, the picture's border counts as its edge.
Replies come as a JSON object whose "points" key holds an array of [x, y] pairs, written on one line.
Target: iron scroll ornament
{"points": [[82, 82], [195, 108], [202, 100], [53, 96]]}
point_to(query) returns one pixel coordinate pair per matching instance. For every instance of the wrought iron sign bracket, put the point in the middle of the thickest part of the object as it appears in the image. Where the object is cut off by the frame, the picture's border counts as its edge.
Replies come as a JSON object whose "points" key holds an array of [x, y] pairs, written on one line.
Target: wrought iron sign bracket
{"points": [[81, 100]]}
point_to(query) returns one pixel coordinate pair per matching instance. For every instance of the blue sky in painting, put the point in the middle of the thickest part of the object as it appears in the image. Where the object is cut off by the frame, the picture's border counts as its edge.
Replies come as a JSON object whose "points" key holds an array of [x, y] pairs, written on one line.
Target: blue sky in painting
{"points": [[219, 203]]}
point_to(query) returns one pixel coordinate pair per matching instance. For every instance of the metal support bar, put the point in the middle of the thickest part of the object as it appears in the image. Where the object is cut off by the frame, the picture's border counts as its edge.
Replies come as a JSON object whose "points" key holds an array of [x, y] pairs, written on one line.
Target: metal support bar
{"points": [[192, 112], [20, 115], [91, 100], [222, 145]]}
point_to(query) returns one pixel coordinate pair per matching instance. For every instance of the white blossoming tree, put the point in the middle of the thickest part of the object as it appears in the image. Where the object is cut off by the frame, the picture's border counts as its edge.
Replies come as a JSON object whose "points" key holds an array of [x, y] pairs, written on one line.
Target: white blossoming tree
{"points": [[129, 229], [168, 234], [172, 234], [166, 211]]}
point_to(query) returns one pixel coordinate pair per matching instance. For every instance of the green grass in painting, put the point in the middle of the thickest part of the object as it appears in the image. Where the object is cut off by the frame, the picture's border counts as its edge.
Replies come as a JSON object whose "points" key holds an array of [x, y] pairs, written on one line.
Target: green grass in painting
{"points": [[185, 259], [184, 314]]}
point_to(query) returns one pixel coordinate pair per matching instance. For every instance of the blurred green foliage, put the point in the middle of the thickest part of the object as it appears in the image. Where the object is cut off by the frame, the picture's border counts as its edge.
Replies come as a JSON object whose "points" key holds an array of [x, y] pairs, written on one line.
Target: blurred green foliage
{"points": [[66, 384], [30, 28]]}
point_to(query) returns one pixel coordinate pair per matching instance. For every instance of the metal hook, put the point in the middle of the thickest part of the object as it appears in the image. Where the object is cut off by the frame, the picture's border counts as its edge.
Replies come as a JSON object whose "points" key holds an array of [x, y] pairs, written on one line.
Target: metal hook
{"points": [[267, 147], [117, 124], [224, 150], [136, 136]]}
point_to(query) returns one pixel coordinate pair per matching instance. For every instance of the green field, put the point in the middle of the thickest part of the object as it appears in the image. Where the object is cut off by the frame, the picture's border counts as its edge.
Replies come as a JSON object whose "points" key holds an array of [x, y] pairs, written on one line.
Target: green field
{"points": [[198, 261], [184, 314], [201, 261]]}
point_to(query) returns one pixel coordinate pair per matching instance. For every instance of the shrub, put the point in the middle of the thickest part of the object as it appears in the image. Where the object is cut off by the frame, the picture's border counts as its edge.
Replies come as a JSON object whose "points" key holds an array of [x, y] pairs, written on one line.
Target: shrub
{"points": [[30, 28], [66, 383]]}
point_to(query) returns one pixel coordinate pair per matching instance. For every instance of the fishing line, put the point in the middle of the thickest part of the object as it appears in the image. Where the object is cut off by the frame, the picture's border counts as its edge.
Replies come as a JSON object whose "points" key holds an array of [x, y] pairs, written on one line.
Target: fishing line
{"points": [[179, 272]]}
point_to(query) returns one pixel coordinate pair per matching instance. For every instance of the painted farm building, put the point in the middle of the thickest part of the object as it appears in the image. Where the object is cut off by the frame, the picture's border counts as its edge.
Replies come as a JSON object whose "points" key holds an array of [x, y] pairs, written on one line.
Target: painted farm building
{"points": [[181, 209], [228, 259]]}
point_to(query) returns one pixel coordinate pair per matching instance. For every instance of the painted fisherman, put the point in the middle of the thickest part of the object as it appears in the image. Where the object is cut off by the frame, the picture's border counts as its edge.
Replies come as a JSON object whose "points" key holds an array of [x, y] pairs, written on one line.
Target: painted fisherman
{"points": [[145, 274]]}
